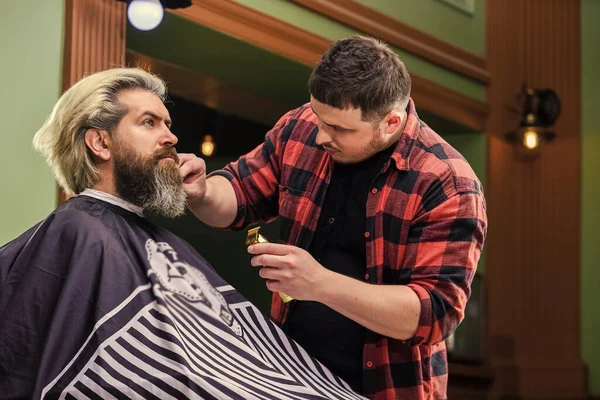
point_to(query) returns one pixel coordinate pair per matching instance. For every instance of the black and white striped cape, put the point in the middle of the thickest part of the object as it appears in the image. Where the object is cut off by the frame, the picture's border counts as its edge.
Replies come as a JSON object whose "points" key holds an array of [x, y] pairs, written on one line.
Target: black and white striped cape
{"points": [[102, 304], [168, 351]]}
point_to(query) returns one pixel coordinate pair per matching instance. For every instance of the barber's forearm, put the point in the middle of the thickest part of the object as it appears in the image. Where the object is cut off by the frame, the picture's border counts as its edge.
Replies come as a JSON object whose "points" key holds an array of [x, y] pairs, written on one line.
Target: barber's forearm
{"points": [[390, 310], [219, 206]]}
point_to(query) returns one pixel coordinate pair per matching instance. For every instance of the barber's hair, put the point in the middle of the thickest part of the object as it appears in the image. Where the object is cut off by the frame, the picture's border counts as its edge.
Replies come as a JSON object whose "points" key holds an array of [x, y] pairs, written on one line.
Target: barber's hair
{"points": [[91, 103], [361, 72]]}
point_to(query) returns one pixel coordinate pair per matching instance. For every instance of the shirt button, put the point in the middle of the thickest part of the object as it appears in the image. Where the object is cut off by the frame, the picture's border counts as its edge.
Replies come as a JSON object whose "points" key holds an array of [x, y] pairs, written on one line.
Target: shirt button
{"points": [[374, 190], [331, 220], [367, 277], [369, 364], [367, 234]]}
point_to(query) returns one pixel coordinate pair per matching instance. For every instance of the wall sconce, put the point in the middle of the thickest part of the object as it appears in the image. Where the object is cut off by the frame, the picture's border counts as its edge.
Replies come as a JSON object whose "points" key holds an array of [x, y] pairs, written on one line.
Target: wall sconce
{"points": [[208, 146], [539, 109]]}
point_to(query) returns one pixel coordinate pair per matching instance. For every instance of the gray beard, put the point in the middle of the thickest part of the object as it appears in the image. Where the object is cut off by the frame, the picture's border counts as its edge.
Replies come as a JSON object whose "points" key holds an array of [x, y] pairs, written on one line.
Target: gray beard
{"points": [[168, 198], [156, 188]]}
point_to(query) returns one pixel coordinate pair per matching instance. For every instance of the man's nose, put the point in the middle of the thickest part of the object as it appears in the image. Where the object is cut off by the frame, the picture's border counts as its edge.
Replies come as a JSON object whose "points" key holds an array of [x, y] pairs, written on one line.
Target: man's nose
{"points": [[168, 138], [322, 137]]}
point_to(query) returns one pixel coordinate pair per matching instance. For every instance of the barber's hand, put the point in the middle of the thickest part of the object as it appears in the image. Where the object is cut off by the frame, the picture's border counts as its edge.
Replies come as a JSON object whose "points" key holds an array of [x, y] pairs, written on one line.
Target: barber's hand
{"points": [[290, 270], [193, 171]]}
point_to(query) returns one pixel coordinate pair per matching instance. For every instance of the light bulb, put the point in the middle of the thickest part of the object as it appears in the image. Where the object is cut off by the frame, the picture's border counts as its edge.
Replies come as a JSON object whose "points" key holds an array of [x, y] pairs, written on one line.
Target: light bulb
{"points": [[208, 146], [531, 140], [145, 15]]}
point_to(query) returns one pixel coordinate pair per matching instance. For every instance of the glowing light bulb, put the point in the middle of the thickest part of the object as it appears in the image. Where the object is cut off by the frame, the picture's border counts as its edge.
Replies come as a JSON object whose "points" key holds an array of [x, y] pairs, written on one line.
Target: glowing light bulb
{"points": [[145, 15], [208, 146], [531, 140]]}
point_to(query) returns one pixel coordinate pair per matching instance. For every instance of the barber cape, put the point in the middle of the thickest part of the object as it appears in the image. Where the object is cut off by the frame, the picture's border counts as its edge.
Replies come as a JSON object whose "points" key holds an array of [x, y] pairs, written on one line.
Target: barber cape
{"points": [[96, 302]]}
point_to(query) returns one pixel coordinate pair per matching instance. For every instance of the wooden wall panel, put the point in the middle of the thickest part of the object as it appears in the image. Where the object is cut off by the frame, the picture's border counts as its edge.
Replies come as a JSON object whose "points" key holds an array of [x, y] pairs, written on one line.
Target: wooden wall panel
{"points": [[532, 260], [94, 40]]}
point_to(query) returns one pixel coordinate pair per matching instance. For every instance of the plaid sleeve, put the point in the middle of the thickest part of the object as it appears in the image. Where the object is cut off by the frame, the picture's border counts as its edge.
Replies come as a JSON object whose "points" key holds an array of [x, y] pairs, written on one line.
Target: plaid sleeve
{"points": [[254, 177], [443, 249]]}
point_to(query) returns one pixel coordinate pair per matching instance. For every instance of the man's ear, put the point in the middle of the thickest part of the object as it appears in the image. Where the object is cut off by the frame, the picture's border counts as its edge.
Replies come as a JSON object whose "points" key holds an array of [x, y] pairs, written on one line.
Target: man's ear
{"points": [[393, 121], [99, 143]]}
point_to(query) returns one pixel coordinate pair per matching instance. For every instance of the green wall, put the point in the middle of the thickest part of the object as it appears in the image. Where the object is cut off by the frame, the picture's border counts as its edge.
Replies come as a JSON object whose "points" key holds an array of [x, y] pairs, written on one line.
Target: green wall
{"points": [[31, 45], [590, 192], [440, 20], [322, 26]]}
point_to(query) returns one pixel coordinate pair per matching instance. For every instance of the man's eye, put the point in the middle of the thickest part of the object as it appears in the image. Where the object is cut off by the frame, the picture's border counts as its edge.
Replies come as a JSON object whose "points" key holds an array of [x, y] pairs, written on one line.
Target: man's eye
{"points": [[149, 122]]}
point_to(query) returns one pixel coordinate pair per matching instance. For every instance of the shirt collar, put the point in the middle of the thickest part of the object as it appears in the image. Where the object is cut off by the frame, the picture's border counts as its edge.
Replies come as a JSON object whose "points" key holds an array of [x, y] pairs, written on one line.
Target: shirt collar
{"points": [[401, 154]]}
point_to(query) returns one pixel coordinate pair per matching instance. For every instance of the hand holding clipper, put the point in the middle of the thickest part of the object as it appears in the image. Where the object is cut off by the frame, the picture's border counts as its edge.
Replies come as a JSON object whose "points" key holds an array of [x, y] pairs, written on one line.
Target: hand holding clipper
{"points": [[254, 237]]}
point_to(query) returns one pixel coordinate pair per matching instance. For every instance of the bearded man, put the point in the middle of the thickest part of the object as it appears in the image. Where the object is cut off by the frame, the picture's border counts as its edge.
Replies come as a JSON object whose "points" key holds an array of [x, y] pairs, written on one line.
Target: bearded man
{"points": [[97, 302]]}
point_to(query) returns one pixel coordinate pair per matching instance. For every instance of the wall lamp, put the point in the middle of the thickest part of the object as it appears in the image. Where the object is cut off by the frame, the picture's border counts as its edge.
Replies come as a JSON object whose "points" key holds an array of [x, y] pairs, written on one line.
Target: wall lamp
{"points": [[208, 146], [539, 110]]}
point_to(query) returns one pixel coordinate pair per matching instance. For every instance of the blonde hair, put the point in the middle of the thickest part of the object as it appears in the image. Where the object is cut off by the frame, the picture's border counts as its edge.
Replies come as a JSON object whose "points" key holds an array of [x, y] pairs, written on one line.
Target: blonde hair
{"points": [[91, 103]]}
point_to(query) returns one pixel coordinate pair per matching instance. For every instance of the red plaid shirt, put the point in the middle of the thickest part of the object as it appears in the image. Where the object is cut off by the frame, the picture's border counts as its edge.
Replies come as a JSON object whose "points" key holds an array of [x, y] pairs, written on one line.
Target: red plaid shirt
{"points": [[425, 228]]}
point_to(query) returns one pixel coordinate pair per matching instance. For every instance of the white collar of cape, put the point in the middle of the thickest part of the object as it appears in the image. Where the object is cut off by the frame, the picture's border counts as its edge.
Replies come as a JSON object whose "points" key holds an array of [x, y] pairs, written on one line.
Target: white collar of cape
{"points": [[109, 198]]}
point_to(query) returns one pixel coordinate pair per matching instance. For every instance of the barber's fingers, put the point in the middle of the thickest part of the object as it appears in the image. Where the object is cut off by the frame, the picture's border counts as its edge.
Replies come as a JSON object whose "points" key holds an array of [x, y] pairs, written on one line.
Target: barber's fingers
{"points": [[183, 157], [193, 172], [274, 261], [272, 248], [191, 167], [274, 274]]}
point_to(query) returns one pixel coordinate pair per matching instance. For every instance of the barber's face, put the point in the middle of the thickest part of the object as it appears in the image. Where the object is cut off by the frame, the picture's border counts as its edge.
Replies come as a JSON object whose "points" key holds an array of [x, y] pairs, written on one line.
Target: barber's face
{"points": [[344, 134], [145, 162]]}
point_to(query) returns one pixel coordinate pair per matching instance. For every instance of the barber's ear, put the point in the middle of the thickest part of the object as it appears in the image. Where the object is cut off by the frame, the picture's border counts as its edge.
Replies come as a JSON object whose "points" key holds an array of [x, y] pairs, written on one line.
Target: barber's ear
{"points": [[394, 121], [99, 143]]}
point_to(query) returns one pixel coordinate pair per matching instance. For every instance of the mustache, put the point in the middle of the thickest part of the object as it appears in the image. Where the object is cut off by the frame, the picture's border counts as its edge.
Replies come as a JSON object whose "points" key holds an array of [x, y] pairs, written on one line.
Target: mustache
{"points": [[166, 152]]}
